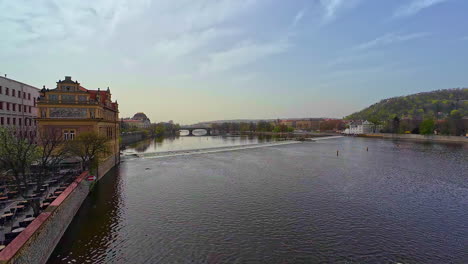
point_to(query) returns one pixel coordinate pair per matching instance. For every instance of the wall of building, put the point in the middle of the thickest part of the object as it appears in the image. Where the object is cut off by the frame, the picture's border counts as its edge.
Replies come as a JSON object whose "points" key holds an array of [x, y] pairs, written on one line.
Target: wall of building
{"points": [[38, 240], [428, 138], [27, 98]]}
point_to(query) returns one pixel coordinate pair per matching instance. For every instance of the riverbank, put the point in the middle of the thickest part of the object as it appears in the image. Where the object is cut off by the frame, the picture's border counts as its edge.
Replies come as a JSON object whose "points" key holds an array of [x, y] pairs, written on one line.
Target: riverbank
{"points": [[36, 243], [290, 134], [413, 137], [131, 137]]}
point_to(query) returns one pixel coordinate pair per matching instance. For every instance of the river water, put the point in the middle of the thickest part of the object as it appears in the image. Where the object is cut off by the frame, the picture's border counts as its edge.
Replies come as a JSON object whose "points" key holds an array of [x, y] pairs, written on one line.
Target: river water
{"points": [[193, 142], [398, 202]]}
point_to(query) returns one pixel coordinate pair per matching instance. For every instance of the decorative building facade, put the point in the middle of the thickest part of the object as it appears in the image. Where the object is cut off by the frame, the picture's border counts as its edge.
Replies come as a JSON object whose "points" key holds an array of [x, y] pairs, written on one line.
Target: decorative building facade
{"points": [[71, 109], [18, 109], [139, 120]]}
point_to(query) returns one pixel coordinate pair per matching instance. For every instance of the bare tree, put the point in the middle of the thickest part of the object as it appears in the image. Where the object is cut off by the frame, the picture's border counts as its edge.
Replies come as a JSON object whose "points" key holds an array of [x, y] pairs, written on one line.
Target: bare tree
{"points": [[52, 152], [90, 147], [17, 153]]}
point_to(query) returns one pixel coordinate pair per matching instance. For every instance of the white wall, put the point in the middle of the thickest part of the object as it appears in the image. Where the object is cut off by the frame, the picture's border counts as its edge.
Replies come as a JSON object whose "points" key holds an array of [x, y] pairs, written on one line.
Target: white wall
{"points": [[20, 102]]}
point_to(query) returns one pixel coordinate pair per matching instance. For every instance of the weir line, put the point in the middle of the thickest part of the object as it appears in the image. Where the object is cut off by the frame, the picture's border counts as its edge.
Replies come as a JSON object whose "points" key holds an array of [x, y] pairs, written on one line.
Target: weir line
{"points": [[156, 155]]}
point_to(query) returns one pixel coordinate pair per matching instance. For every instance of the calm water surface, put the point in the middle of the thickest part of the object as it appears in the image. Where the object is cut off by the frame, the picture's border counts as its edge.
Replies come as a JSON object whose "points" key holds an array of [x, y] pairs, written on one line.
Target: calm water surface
{"points": [[400, 202], [193, 142]]}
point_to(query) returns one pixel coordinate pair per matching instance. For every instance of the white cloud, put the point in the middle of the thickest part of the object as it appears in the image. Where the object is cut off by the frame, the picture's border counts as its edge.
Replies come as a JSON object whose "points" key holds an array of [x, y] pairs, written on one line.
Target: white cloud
{"points": [[415, 6], [331, 8], [116, 23], [189, 42], [242, 54], [390, 38], [299, 16]]}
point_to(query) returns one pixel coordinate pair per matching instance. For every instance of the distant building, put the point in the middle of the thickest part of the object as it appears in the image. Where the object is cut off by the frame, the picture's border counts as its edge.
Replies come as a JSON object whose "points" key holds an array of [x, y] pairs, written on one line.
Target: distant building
{"points": [[18, 107], [362, 127], [139, 120], [302, 124], [71, 109]]}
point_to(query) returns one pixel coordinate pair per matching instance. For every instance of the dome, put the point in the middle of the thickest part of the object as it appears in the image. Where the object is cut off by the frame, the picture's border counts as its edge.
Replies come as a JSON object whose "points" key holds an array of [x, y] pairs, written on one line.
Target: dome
{"points": [[140, 116]]}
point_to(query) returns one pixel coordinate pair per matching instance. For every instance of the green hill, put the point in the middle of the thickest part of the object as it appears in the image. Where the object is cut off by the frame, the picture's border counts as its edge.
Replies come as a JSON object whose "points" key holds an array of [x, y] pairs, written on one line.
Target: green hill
{"points": [[436, 105]]}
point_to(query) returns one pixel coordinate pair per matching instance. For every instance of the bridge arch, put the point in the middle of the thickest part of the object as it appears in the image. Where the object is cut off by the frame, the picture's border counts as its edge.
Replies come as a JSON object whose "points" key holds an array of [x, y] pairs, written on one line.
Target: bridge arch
{"points": [[191, 129]]}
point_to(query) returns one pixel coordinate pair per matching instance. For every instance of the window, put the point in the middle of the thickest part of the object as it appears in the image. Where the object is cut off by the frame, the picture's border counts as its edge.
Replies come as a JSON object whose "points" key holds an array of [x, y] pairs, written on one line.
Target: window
{"points": [[8, 106], [19, 94], [34, 101], [24, 95], [14, 121], [8, 120], [69, 134], [1, 105], [14, 107], [2, 120], [68, 98], [13, 92], [7, 91], [19, 108], [53, 97], [29, 96], [43, 113], [1, 91], [30, 109], [19, 122]]}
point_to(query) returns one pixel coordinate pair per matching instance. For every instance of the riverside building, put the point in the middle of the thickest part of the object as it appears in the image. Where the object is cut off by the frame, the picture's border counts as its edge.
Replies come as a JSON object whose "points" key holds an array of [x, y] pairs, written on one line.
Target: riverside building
{"points": [[18, 109], [71, 109]]}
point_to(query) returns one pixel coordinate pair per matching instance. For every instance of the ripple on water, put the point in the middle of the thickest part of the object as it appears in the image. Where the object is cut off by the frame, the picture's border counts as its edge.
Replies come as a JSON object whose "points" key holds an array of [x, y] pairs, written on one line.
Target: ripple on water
{"points": [[400, 202]]}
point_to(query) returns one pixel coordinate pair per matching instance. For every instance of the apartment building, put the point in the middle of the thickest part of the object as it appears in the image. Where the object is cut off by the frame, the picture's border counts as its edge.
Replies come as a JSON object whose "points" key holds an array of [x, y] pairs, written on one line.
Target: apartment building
{"points": [[18, 109]]}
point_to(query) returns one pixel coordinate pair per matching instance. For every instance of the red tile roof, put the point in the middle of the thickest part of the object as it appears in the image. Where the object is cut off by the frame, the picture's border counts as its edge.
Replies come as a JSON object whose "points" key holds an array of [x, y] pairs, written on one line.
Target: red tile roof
{"points": [[103, 96]]}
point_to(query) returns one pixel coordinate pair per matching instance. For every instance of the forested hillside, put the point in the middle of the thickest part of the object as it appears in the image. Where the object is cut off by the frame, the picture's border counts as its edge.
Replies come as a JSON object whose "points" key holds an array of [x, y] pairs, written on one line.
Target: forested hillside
{"points": [[437, 105]]}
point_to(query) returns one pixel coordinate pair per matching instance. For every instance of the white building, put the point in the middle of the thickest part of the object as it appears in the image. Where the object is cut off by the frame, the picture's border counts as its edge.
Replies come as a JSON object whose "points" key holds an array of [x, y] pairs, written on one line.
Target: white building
{"points": [[361, 127], [18, 107]]}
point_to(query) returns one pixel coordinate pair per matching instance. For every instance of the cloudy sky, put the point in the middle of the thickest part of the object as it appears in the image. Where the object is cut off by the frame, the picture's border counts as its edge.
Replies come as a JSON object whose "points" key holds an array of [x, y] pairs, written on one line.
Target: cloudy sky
{"points": [[194, 60]]}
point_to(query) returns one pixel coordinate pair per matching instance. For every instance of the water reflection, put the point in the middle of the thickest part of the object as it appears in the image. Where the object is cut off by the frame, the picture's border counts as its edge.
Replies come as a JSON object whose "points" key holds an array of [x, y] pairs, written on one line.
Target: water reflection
{"points": [[398, 202], [162, 144], [98, 223]]}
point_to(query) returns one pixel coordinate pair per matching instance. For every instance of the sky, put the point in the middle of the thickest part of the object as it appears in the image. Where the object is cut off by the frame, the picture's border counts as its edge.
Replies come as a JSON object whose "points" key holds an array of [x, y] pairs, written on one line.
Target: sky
{"points": [[202, 60]]}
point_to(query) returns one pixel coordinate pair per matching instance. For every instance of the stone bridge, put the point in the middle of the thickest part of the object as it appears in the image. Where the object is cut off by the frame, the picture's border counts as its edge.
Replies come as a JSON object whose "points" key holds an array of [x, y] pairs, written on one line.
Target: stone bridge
{"points": [[191, 129]]}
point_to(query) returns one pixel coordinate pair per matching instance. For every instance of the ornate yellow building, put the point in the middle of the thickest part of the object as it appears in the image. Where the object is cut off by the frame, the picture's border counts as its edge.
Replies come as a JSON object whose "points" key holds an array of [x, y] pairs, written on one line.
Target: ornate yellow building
{"points": [[71, 109]]}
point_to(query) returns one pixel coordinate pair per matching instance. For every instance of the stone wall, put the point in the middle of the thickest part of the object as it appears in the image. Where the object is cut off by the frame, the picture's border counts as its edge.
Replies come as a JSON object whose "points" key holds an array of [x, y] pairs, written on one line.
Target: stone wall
{"points": [[428, 138], [38, 240], [129, 138], [108, 164]]}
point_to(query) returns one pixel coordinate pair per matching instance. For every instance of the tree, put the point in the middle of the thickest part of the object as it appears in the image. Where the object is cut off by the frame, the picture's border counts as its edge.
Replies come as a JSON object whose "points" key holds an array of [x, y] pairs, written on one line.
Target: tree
{"points": [[244, 127], [159, 130], [395, 124], [52, 151], [17, 153], [427, 127], [282, 128], [90, 147]]}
